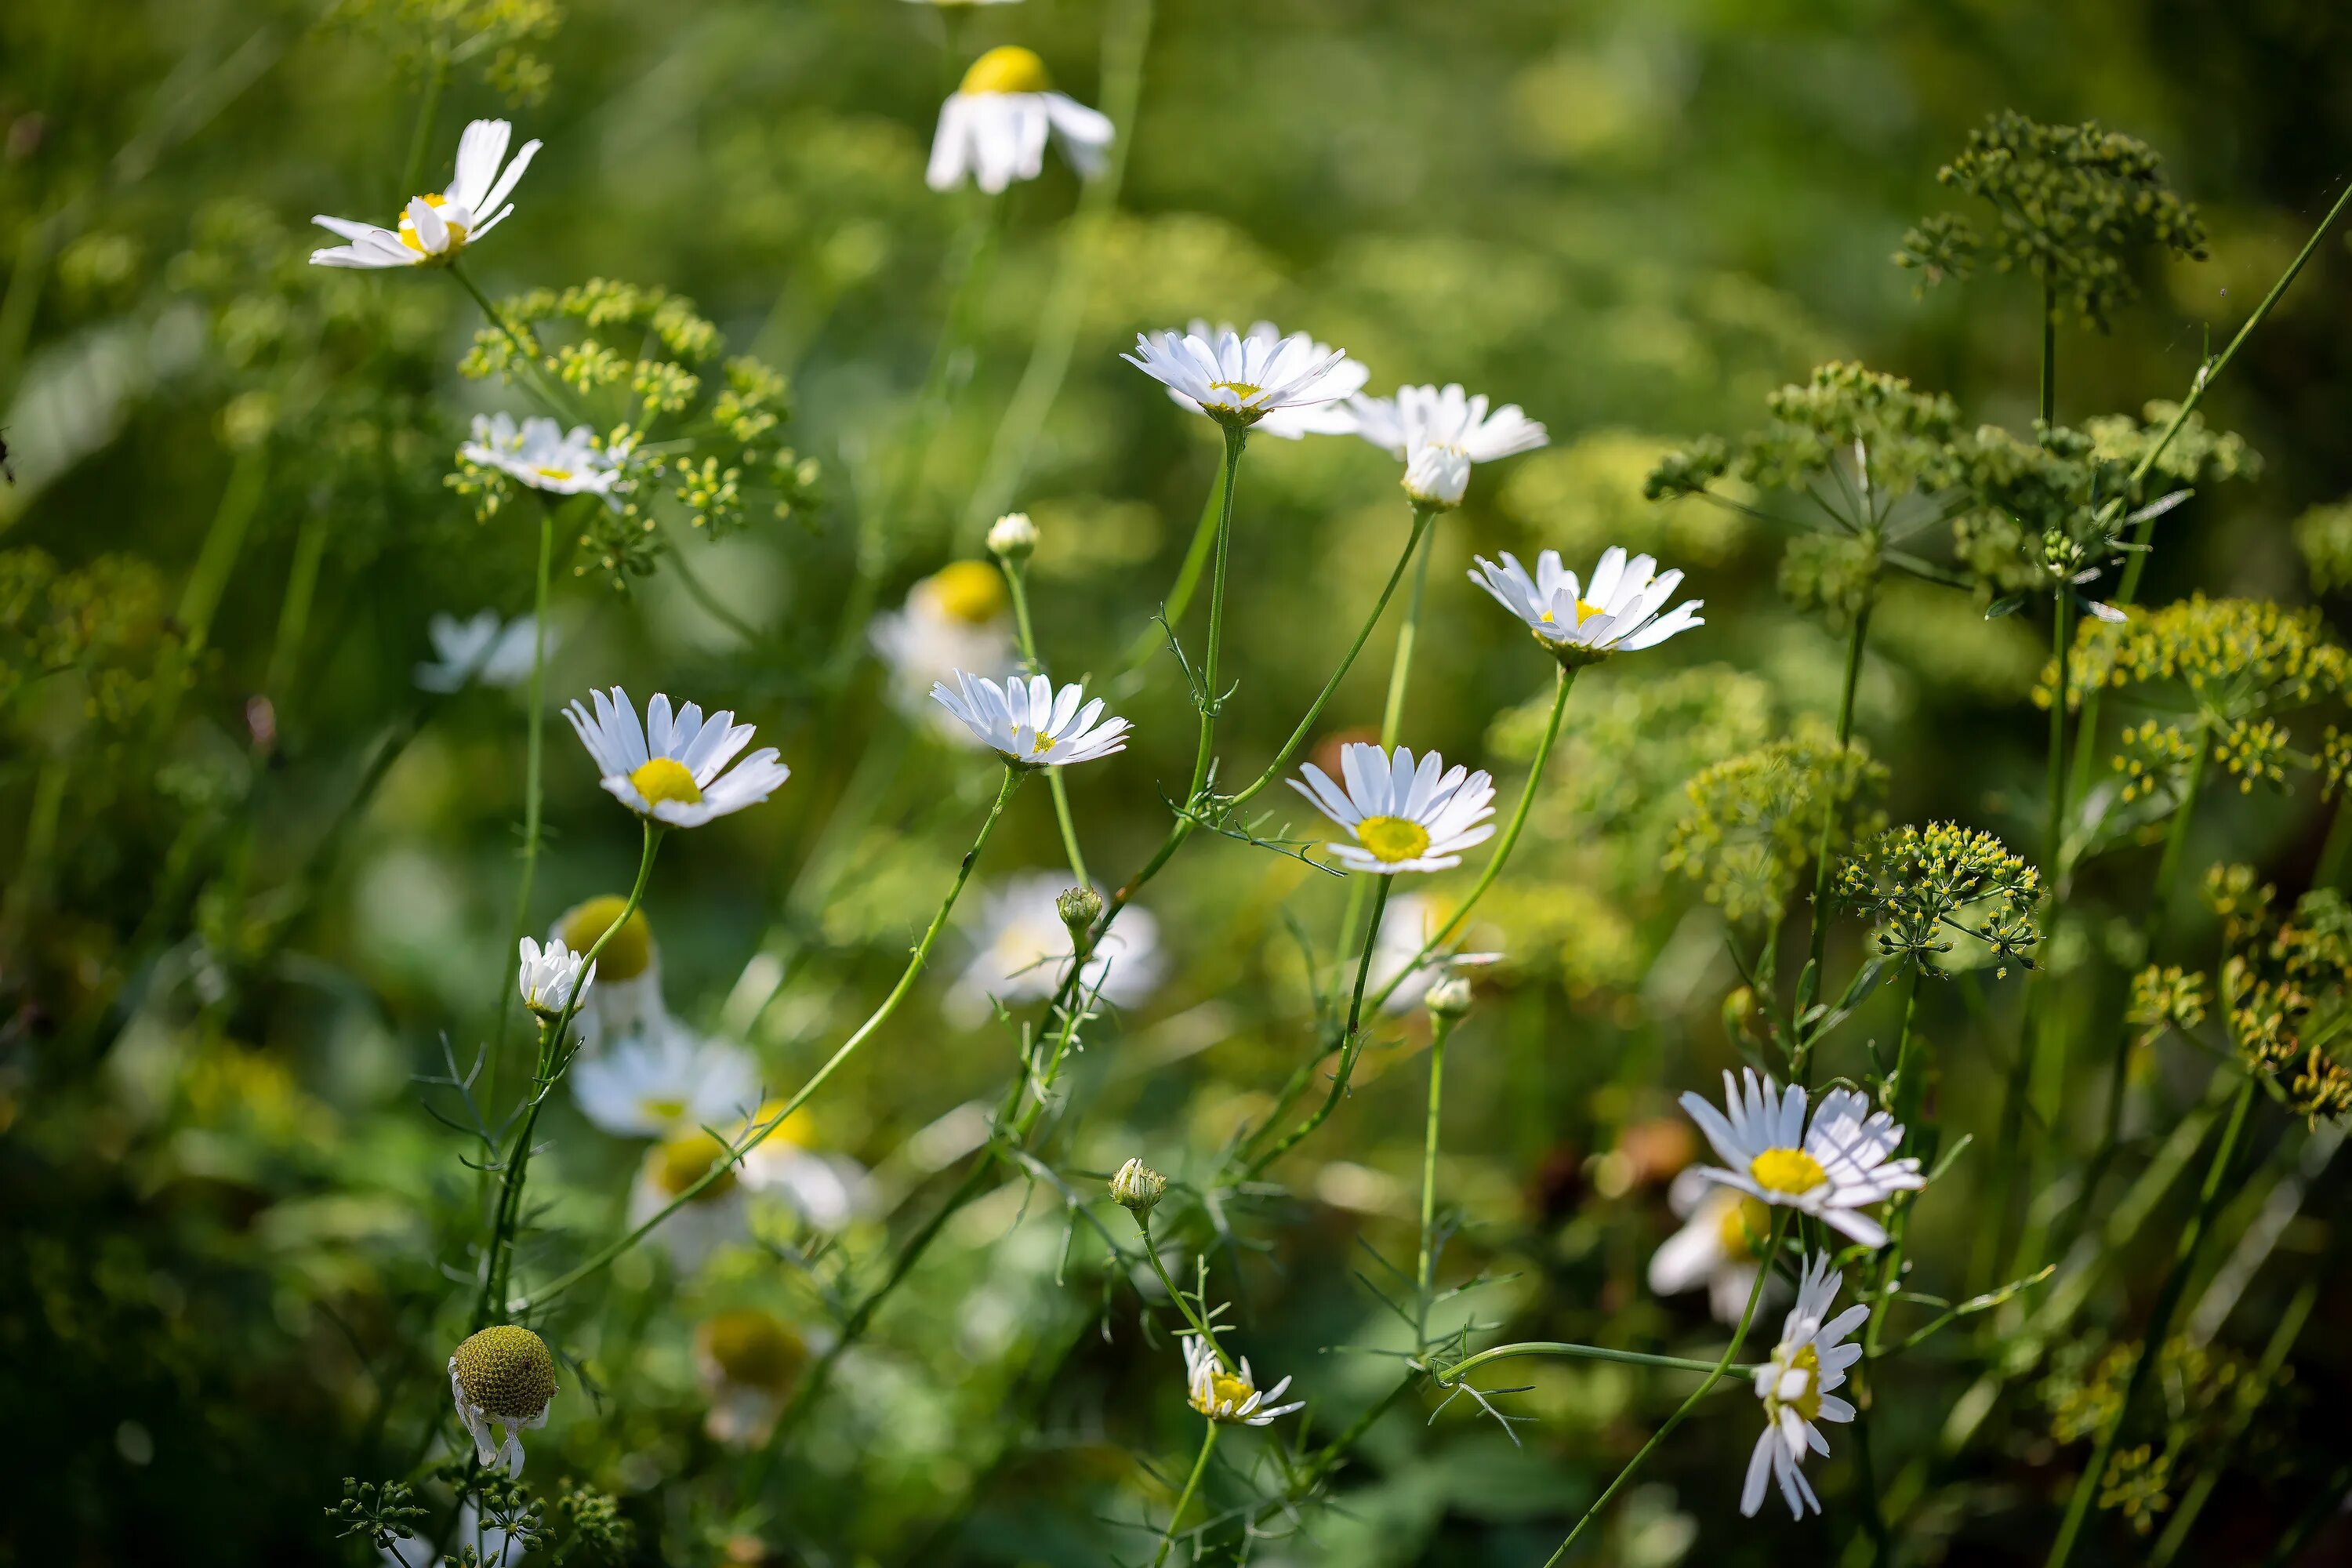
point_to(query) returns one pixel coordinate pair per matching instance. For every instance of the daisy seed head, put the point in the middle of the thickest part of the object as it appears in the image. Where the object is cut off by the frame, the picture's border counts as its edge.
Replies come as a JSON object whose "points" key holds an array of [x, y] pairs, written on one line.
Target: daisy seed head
{"points": [[1013, 537], [506, 1370], [628, 954], [1138, 1188]]}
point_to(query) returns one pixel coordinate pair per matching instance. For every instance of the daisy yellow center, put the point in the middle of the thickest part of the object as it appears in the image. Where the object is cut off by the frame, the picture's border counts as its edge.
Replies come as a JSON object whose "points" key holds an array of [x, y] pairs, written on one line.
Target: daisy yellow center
{"points": [[630, 952], [508, 1371], [1008, 68], [1391, 839], [1790, 1170], [1742, 1224], [797, 1131], [1585, 610], [560, 476], [1241, 391], [666, 778], [754, 1348], [971, 591], [679, 1163], [411, 238], [1807, 1403], [1225, 1392], [663, 1108], [1042, 744]]}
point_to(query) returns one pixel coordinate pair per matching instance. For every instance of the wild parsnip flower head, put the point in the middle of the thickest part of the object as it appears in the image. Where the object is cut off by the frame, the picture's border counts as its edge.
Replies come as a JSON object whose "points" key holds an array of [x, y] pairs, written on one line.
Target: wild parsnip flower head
{"points": [[1030, 725], [1840, 1163], [482, 649], [2076, 205], [1719, 1247], [1403, 816], [434, 229], [1232, 1398], [550, 976], [1755, 820], [959, 617], [670, 768], [1923, 885], [1439, 432], [1336, 417], [503, 1383], [1579, 625], [1795, 1387], [1013, 537], [994, 128], [1023, 944], [1239, 381], [1136, 1188], [655, 1084], [2166, 996], [542, 453]]}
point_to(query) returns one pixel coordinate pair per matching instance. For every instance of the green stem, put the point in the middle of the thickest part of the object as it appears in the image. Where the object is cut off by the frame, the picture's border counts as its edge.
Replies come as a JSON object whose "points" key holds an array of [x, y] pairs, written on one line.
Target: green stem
{"points": [[2217, 1462], [1184, 1499], [552, 394], [2048, 356], [1200, 1324], [1909, 1095], [1714, 1374], [1440, 1030], [1151, 639], [534, 754], [1408, 635], [2167, 1301], [420, 141], [1463, 1368], [294, 614], [1236, 438], [1817, 940], [1016, 578], [2053, 831], [1351, 1044], [602, 1258]]}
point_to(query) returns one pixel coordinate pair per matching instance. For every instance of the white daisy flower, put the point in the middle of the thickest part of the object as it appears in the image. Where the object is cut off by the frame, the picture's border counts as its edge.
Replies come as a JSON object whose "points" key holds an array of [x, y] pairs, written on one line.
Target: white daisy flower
{"points": [[748, 1359], [1811, 1360], [1231, 1397], [548, 976], [1024, 952], [826, 1191], [1840, 1165], [1411, 924], [1441, 431], [1715, 1247], [436, 227], [669, 770], [502, 1381], [481, 649], [994, 128], [959, 617], [653, 1086], [717, 1217], [1238, 380], [544, 456], [1617, 613], [1333, 418], [1028, 724], [627, 1003], [1405, 816]]}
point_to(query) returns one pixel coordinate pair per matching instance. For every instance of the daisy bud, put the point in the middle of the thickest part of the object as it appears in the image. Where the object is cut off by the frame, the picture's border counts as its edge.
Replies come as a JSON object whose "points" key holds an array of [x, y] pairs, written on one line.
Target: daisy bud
{"points": [[502, 1378], [1437, 477], [1012, 538], [1449, 998], [1079, 908], [1138, 1188]]}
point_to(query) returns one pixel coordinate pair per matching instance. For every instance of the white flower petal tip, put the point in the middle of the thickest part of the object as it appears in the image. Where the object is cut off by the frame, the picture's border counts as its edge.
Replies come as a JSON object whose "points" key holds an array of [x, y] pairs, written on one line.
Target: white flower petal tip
{"points": [[1400, 814], [1812, 1358], [550, 977], [1615, 612], [542, 453], [1241, 380], [995, 127], [1832, 1169], [1440, 432], [1232, 1398], [1030, 724], [434, 228], [480, 651], [673, 769]]}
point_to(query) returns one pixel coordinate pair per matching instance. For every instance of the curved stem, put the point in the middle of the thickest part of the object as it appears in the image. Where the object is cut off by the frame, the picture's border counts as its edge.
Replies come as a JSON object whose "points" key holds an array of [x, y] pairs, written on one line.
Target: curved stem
{"points": [[1463, 1368], [1016, 578], [525, 351], [1151, 639], [1184, 1499], [420, 141], [1200, 1324], [1350, 1046], [1236, 438], [534, 752], [1817, 940], [1440, 1031]]}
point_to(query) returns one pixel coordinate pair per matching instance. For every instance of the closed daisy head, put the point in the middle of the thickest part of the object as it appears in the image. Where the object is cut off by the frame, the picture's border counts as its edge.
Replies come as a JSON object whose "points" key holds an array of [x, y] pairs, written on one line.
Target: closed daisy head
{"points": [[1794, 1387], [542, 453], [1616, 612], [502, 1381], [550, 975], [1239, 381], [1232, 1398], [994, 128], [1329, 419], [1030, 725], [434, 228], [1840, 1165], [1440, 432], [1402, 815], [669, 768]]}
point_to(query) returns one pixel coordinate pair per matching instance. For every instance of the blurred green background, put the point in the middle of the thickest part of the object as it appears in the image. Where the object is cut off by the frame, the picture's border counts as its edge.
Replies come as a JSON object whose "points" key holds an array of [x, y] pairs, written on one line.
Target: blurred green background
{"points": [[240, 916]]}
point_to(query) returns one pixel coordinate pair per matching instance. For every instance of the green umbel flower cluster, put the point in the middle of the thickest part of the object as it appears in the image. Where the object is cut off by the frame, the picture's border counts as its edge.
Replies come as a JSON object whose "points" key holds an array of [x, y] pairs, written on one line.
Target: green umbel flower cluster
{"points": [[2287, 988], [108, 623], [506, 1370], [1898, 439], [425, 35], [1754, 821], [1925, 885], [2166, 996], [2208, 1387], [2237, 658], [2073, 206]]}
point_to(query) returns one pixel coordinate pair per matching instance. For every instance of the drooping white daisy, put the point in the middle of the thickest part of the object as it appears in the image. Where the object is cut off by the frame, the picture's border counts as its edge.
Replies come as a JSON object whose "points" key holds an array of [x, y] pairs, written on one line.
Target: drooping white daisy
{"points": [[1412, 922], [670, 768], [1333, 418], [1024, 952], [436, 227], [1794, 1385], [548, 976], [503, 1380], [1028, 724], [1238, 380], [627, 1003], [1403, 815], [1617, 613], [480, 649], [543, 455], [1231, 1397], [1843, 1162], [994, 128], [959, 617], [654, 1086], [1716, 1248], [1441, 431]]}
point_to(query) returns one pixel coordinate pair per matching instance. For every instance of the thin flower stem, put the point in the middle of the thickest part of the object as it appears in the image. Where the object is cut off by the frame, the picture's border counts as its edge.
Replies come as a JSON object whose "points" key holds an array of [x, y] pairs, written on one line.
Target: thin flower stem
{"points": [[2159, 1326], [1408, 637], [525, 351], [1200, 1324], [420, 141], [534, 751], [1351, 1045], [1184, 1499], [2217, 1464], [1151, 639], [1564, 681], [1016, 578], [1909, 1096], [1454, 1374], [1440, 1031], [880, 1015], [1817, 940], [1714, 1374], [1236, 438], [2049, 405]]}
